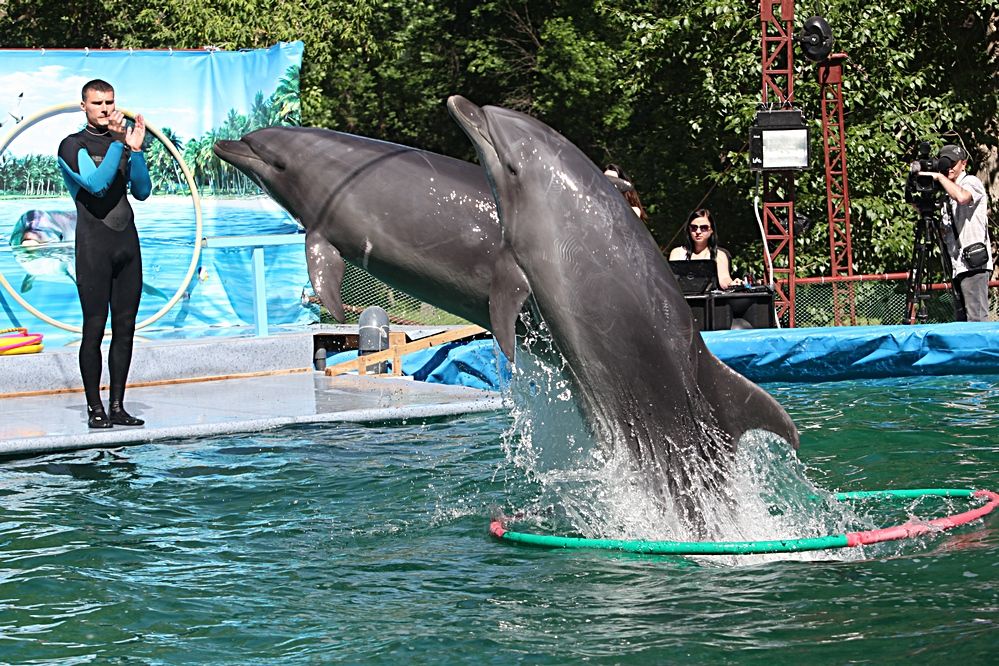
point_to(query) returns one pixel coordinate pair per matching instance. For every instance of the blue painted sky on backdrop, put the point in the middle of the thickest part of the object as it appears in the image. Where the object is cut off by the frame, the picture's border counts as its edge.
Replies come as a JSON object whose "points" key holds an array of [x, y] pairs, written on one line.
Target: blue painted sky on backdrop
{"points": [[188, 91]]}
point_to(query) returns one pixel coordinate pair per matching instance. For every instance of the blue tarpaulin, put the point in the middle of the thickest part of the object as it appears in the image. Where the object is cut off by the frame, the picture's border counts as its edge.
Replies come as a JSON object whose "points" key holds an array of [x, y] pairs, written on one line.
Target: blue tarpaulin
{"points": [[769, 355], [859, 352]]}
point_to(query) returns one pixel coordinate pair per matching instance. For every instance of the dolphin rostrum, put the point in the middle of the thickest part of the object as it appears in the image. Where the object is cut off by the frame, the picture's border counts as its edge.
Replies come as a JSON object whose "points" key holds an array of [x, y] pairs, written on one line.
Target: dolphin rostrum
{"points": [[595, 275], [421, 222]]}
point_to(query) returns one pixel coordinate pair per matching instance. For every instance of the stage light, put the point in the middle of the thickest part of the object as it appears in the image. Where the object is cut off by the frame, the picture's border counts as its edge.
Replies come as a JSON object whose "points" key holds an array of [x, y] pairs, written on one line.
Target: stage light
{"points": [[778, 141]]}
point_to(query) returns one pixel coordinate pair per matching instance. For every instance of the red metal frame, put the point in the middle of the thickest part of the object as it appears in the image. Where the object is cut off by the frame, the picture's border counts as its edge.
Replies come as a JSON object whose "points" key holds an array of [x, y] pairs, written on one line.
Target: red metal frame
{"points": [[777, 28], [830, 73]]}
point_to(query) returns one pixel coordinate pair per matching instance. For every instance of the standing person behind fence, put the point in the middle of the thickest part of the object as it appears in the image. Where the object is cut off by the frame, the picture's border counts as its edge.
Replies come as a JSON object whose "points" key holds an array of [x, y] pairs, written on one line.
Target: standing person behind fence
{"points": [[627, 189], [966, 233], [701, 242], [99, 164]]}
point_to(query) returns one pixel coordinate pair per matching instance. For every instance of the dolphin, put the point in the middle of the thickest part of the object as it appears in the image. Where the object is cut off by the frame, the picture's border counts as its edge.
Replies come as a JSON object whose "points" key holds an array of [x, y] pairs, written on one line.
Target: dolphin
{"points": [[594, 274], [422, 222], [38, 228]]}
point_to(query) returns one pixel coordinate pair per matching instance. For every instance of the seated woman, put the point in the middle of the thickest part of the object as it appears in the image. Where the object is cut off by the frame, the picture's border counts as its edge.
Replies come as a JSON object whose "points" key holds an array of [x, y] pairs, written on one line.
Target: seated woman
{"points": [[701, 242]]}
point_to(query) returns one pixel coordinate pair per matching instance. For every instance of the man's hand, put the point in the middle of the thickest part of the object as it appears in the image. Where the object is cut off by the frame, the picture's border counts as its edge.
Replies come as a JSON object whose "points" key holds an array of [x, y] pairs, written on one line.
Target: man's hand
{"points": [[136, 134], [116, 125], [132, 137]]}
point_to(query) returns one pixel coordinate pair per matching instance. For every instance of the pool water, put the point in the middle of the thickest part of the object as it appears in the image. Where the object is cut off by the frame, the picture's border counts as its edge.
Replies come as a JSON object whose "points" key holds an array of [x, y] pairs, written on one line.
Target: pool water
{"points": [[369, 544]]}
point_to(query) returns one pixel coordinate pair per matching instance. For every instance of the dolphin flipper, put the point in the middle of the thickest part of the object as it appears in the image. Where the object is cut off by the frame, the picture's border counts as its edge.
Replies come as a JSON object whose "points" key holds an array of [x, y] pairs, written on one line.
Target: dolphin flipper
{"points": [[507, 293], [326, 268], [27, 283], [739, 404]]}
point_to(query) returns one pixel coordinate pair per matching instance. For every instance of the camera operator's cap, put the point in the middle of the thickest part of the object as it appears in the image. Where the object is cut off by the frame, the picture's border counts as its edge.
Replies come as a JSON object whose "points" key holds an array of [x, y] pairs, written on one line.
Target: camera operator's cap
{"points": [[953, 153]]}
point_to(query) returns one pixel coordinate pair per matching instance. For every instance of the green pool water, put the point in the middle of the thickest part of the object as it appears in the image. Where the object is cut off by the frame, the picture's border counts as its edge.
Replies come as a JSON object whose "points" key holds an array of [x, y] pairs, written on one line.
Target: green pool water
{"points": [[369, 544]]}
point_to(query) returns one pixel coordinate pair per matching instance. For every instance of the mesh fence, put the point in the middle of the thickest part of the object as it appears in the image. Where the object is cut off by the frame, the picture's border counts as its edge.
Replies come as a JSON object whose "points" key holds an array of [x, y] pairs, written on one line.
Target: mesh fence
{"points": [[360, 290], [874, 303]]}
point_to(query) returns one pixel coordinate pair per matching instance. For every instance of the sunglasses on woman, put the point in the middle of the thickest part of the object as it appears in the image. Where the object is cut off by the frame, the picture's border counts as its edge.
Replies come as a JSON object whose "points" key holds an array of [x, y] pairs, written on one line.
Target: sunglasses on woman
{"points": [[694, 228]]}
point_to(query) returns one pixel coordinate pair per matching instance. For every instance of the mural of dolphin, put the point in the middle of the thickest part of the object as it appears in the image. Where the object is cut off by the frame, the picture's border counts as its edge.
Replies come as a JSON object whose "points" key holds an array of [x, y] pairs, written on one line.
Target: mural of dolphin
{"points": [[38, 228], [422, 222], [595, 275], [43, 243]]}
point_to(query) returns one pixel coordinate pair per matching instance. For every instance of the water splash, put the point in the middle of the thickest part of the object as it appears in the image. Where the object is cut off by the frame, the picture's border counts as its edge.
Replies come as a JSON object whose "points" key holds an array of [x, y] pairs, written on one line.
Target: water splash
{"points": [[591, 484]]}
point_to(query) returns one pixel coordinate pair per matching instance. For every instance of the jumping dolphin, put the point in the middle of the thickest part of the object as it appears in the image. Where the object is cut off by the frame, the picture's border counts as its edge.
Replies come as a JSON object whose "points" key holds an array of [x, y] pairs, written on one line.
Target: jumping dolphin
{"points": [[422, 222], [595, 275], [427, 225]]}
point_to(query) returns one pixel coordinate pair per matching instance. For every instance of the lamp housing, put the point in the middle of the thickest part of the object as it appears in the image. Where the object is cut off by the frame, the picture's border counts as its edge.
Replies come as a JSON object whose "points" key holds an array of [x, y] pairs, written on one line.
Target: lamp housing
{"points": [[778, 141]]}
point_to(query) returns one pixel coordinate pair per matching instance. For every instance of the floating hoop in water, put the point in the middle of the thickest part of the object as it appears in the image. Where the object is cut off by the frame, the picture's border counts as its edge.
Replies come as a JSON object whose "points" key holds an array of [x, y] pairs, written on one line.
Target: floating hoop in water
{"points": [[848, 540]]}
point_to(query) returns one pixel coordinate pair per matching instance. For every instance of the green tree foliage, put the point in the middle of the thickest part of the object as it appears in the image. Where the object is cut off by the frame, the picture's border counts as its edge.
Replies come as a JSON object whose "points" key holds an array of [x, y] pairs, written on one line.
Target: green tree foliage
{"points": [[668, 90]]}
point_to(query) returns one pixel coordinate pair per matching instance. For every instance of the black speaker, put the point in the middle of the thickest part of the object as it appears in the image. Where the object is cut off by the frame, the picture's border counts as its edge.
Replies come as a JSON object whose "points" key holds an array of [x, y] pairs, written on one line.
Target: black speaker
{"points": [[752, 310]]}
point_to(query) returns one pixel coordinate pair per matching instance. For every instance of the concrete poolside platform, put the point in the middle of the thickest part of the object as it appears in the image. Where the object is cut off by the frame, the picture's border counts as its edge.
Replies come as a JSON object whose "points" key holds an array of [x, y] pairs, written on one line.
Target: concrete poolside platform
{"points": [[211, 386], [205, 386]]}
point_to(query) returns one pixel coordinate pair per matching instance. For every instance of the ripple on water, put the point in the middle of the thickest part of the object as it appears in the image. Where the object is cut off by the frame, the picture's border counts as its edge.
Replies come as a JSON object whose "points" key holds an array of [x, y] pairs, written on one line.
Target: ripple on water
{"points": [[368, 544]]}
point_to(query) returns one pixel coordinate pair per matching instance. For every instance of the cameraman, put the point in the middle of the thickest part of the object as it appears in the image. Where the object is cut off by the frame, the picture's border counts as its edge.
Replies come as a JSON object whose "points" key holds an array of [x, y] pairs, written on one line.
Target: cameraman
{"points": [[965, 232]]}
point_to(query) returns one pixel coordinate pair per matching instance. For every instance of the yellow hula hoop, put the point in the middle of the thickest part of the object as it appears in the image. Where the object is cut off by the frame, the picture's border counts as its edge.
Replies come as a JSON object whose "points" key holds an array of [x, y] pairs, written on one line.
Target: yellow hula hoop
{"points": [[75, 106]]}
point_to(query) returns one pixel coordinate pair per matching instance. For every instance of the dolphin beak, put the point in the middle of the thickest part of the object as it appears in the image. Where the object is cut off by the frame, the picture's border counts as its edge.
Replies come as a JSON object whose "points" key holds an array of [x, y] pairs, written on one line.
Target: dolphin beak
{"points": [[235, 152], [474, 122], [471, 119]]}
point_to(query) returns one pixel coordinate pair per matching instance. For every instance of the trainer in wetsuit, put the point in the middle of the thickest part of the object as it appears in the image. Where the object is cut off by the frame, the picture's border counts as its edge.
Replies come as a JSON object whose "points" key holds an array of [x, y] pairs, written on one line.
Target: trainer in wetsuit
{"points": [[99, 164]]}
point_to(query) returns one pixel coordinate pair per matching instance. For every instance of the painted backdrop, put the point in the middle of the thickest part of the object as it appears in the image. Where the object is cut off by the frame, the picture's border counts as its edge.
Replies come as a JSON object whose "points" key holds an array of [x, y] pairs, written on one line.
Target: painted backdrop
{"points": [[193, 98]]}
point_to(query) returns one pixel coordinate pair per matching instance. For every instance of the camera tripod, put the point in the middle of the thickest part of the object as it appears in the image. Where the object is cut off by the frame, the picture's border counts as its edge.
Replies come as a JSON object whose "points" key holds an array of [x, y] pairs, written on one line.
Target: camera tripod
{"points": [[928, 232]]}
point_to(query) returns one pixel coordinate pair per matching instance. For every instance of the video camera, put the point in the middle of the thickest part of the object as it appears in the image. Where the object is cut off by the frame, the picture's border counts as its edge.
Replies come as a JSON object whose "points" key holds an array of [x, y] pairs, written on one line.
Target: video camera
{"points": [[925, 191]]}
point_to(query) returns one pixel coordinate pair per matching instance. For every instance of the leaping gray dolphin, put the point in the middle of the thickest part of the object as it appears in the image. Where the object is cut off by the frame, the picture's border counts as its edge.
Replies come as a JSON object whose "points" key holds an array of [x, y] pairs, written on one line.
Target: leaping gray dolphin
{"points": [[615, 311], [427, 225], [421, 222]]}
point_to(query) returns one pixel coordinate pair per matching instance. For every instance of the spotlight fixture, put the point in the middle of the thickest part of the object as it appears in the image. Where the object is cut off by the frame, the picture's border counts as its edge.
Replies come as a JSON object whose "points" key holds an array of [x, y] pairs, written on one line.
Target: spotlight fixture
{"points": [[778, 141]]}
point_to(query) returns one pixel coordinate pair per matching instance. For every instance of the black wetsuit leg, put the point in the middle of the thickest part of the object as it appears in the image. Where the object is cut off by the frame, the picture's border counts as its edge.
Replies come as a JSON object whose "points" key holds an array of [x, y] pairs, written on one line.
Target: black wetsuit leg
{"points": [[126, 289], [108, 269]]}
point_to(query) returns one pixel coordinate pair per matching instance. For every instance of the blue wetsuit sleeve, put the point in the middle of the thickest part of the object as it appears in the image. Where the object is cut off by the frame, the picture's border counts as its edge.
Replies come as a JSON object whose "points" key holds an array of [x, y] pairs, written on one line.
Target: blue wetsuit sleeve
{"points": [[138, 176], [94, 179]]}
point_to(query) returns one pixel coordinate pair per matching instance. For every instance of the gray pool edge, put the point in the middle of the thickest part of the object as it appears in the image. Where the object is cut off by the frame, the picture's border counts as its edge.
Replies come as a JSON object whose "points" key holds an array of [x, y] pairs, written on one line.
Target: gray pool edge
{"points": [[164, 367], [113, 438]]}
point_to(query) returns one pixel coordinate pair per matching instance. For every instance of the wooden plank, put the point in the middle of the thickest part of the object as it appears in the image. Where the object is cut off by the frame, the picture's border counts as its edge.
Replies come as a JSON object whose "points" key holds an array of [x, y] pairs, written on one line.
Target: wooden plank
{"points": [[396, 352]]}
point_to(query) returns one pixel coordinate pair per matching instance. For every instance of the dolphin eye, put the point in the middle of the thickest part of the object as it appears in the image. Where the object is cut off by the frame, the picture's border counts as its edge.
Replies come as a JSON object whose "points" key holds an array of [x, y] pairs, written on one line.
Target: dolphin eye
{"points": [[511, 169]]}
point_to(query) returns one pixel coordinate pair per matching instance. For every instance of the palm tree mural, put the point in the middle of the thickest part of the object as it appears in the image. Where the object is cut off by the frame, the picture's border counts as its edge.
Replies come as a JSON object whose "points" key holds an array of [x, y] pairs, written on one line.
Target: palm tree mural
{"points": [[164, 172], [39, 175]]}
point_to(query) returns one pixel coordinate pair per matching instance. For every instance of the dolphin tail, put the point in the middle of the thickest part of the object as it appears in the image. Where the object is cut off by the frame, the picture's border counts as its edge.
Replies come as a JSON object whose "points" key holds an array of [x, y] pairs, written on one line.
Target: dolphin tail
{"points": [[507, 293], [151, 290], [739, 404], [326, 268]]}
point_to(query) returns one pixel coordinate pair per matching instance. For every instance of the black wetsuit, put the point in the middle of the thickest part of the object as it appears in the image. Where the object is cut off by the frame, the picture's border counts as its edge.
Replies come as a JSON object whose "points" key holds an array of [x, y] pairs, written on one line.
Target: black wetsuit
{"points": [[98, 172]]}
